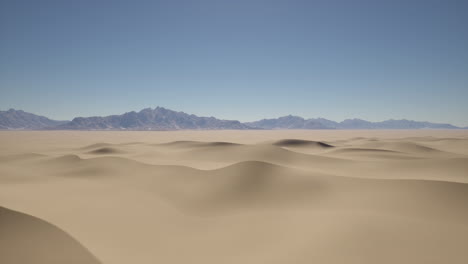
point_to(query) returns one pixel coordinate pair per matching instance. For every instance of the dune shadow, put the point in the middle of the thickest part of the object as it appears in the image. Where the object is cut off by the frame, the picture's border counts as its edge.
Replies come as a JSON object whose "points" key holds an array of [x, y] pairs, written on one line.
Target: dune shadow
{"points": [[301, 143], [105, 150]]}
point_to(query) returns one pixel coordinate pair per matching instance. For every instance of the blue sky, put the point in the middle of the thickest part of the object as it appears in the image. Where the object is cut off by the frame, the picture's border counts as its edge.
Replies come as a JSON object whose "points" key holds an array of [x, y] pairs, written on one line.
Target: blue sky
{"points": [[242, 60]]}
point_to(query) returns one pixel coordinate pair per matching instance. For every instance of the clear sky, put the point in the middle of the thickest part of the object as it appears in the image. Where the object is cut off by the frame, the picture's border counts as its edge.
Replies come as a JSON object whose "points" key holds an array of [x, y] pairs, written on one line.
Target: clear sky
{"points": [[242, 59]]}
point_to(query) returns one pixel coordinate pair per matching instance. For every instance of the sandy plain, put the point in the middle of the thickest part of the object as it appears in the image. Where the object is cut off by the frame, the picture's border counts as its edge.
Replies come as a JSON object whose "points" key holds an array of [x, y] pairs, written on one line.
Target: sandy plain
{"points": [[315, 196]]}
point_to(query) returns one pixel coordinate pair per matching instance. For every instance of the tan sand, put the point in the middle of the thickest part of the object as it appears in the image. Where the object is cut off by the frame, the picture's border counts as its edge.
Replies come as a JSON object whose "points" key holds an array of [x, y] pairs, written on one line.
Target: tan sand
{"points": [[234, 197]]}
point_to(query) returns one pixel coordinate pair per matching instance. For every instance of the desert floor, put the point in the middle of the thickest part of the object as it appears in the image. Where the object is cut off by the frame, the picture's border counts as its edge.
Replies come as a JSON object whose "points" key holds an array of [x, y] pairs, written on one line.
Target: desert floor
{"points": [[234, 197]]}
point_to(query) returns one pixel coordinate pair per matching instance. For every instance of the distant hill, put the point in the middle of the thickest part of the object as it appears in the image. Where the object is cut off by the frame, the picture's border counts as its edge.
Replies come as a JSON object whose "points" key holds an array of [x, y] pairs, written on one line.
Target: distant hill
{"points": [[296, 122], [161, 118], [291, 122], [20, 120], [151, 119]]}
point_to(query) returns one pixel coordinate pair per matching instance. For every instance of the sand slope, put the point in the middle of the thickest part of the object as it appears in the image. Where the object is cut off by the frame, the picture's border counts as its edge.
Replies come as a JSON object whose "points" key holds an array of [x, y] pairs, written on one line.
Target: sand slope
{"points": [[27, 239], [240, 197]]}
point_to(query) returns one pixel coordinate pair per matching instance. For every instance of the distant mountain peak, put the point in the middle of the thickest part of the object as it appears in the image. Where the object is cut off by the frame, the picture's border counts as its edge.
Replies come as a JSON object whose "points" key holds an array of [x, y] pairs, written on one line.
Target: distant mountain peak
{"points": [[159, 118]]}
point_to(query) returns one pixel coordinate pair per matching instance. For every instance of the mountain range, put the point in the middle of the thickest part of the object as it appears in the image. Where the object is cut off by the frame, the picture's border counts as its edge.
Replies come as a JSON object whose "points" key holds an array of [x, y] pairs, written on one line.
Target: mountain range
{"points": [[296, 122], [151, 119], [161, 118], [20, 120]]}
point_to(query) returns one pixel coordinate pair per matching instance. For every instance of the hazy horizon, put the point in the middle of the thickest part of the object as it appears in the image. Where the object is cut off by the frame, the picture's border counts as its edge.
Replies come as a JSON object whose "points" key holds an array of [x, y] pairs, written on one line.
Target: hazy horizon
{"points": [[242, 60]]}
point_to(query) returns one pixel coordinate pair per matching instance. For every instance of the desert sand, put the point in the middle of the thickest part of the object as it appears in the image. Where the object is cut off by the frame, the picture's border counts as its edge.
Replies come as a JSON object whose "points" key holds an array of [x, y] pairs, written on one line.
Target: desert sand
{"points": [[234, 197]]}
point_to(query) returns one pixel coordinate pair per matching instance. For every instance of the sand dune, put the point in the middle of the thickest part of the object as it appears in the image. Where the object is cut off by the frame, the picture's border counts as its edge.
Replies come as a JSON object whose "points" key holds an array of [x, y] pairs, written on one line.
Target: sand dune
{"points": [[301, 143], [27, 239], [105, 150], [191, 144], [234, 197]]}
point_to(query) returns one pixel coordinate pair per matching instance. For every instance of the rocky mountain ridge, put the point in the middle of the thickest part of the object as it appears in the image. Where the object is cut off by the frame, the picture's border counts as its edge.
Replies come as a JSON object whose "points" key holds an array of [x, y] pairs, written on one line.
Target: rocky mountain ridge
{"points": [[161, 118]]}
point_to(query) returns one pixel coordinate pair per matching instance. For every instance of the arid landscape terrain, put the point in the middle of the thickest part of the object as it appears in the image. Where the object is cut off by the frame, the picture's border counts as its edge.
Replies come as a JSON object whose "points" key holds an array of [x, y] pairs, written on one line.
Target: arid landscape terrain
{"points": [[295, 196]]}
